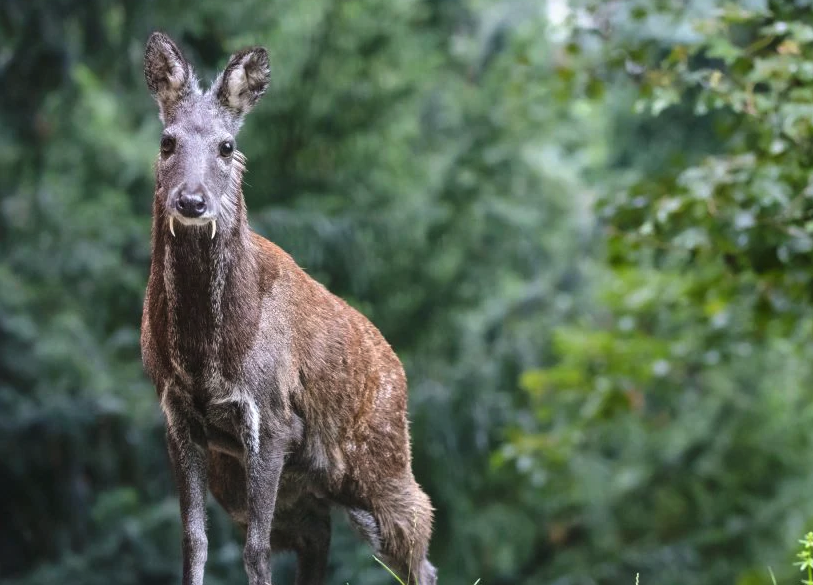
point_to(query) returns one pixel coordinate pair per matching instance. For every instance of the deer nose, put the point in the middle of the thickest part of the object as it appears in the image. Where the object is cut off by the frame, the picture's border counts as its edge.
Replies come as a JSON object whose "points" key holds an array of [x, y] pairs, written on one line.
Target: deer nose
{"points": [[191, 204]]}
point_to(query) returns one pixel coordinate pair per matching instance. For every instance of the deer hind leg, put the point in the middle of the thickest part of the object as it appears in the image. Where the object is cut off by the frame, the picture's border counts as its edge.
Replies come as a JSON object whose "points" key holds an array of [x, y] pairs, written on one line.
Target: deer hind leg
{"points": [[306, 527], [227, 482], [312, 553], [398, 525]]}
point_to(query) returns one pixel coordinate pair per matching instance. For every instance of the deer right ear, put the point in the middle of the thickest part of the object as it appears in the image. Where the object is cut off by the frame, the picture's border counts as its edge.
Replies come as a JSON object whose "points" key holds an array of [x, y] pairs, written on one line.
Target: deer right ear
{"points": [[169, 75], [244, 81]]}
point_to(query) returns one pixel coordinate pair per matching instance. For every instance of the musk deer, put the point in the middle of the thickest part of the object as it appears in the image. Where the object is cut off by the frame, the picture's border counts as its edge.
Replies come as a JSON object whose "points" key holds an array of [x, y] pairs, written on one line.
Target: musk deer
{"points": [[278, 396]]}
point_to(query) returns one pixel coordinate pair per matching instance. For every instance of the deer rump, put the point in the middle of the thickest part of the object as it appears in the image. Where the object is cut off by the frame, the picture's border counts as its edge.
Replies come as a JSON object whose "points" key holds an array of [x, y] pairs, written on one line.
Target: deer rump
{"points": [[279, 397]]}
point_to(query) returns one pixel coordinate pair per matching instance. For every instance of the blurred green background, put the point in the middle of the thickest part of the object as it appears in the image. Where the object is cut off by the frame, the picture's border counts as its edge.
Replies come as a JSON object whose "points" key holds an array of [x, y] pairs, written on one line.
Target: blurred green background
{"points": [[584, 226]]}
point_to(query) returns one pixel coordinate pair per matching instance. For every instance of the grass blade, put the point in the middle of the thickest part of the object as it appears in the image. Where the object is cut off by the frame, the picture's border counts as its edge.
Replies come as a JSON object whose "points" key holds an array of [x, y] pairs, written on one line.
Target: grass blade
{"points": [[396, 577]]}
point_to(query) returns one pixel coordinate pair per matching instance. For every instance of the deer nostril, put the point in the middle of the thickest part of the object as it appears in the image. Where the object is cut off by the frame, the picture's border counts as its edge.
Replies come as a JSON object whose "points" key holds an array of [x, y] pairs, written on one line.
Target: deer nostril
{"points": [[191, 205]]}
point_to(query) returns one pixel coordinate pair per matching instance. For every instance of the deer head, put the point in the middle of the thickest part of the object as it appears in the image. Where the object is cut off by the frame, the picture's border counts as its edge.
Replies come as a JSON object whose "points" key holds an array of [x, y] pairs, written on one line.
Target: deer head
{"points": [[199, 169]]}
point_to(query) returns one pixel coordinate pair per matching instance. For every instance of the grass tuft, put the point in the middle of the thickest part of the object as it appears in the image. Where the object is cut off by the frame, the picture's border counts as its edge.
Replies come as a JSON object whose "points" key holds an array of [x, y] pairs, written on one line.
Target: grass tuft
{"points": [[806, 558]]}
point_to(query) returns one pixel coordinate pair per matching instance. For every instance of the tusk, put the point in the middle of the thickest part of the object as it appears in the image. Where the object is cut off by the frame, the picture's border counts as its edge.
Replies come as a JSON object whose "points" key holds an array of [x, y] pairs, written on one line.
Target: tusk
{"points": [[214, 228], [171, 226]]}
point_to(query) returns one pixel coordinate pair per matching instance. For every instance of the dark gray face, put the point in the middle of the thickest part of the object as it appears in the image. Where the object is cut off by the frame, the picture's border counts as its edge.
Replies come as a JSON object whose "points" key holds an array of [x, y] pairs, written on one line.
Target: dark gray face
{"points": [[199, 168]]}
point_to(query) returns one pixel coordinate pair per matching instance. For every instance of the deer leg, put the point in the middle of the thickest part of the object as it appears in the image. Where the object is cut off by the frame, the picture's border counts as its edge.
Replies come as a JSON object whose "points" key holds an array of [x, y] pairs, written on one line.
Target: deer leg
{"points": [[398, 525], [264, 458], [184, 438], [227, 482], [313, 544]]}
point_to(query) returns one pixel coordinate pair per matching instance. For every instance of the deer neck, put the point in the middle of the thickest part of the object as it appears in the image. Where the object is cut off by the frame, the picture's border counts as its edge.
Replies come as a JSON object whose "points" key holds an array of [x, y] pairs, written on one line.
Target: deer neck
{"points": [[211, 297]]}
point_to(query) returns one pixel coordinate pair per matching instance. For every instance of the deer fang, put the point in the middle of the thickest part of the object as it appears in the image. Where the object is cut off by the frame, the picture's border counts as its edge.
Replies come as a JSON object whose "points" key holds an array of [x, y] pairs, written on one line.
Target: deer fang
{"points": [[214, 228], [172, 226]]}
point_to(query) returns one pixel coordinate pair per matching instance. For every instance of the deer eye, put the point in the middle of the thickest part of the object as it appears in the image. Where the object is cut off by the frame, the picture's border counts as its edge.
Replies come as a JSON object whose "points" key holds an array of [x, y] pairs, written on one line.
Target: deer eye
{"points": [[167, 145], [226, 148]]}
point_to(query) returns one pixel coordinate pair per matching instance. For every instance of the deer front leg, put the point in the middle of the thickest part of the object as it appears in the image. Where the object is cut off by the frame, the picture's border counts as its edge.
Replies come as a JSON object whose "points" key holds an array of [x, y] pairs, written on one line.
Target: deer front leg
{"points": [[264, 458], [186, 442]]}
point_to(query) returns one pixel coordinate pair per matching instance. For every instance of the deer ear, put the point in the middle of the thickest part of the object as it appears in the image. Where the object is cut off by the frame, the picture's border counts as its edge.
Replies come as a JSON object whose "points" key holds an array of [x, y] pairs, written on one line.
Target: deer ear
{"points": [[243, 81], [169, 75]]}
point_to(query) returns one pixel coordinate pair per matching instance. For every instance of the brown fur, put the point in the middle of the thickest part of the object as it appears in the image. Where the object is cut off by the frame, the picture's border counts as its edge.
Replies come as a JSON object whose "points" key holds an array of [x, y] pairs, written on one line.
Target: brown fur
{"points": [[233, 329]]}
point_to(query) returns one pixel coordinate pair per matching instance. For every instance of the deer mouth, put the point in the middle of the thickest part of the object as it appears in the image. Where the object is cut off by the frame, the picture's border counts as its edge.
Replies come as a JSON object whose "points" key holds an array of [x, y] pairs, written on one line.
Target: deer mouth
{"points": [[193, 222]]}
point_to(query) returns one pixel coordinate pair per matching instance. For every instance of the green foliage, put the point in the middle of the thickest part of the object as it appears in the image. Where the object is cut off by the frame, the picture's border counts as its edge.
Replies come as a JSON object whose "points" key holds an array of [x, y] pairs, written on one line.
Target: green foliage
{"points": [[671, 433]]}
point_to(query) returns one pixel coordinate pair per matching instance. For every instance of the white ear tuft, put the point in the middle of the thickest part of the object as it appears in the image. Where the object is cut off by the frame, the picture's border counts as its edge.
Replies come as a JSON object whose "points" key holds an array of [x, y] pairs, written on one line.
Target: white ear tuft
{"points": [[243, 81]]}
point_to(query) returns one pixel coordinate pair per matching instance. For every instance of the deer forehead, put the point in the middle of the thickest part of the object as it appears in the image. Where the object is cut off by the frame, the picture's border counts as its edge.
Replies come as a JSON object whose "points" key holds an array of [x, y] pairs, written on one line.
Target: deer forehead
{"points": [[201, 115]]}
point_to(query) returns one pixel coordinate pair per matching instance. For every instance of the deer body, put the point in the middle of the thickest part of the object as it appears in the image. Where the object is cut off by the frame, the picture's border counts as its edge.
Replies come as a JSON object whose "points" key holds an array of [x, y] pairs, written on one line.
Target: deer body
{"points": [[279, 397]]}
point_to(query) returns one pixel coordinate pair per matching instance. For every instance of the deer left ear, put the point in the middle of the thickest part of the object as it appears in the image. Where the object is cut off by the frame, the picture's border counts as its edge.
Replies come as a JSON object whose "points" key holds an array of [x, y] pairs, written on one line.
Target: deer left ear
{"points": [[243, 81], [169, 75]]}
